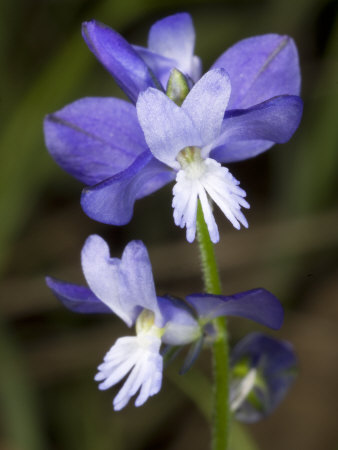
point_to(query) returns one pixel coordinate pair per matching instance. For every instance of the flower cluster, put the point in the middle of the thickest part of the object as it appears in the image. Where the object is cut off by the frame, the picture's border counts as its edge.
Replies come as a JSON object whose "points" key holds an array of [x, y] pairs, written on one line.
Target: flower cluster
{"points": [[180, 126]]}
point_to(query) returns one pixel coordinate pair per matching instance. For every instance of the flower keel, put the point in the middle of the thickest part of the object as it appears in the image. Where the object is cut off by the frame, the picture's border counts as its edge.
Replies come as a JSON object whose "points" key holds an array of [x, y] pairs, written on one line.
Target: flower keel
{"points": [[139, 356], [204, 180]]}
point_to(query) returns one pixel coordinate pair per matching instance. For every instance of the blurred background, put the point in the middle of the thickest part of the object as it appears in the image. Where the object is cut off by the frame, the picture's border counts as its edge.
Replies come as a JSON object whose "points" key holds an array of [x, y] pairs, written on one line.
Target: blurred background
{"points": [[48, 356]]}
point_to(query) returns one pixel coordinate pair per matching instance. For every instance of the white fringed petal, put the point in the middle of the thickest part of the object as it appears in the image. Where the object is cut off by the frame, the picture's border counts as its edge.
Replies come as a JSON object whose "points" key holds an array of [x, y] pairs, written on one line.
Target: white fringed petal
{"points": [[195, 181], [139, 359]]}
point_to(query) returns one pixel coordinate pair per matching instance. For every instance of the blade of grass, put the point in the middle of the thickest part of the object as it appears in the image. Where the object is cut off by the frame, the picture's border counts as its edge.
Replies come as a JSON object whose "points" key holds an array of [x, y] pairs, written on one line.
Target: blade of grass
{"points": [[21, 418], [314, 171]]}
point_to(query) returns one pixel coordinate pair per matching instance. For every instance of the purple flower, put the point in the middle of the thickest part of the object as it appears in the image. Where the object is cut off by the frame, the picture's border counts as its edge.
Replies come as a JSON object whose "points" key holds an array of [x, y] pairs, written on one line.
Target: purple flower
{"points": [[263, 369], [245, 104], [125, 287]]}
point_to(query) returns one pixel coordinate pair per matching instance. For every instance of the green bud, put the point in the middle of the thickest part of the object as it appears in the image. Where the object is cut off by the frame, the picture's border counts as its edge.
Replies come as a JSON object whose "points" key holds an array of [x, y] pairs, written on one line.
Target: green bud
{"points": [[177, 87]]}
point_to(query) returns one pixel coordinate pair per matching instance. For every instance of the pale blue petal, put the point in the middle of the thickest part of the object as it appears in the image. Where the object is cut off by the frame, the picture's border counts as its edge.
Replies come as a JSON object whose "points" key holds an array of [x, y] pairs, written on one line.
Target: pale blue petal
{"points": [[167, 128], [103, 277], [125, 285], [174, 38], [207, 102], [137, 282]]}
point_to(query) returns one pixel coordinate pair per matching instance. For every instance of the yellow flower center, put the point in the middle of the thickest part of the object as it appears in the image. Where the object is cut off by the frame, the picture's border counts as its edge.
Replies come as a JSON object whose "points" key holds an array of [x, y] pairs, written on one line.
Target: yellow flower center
{"points": [[145, 324]]}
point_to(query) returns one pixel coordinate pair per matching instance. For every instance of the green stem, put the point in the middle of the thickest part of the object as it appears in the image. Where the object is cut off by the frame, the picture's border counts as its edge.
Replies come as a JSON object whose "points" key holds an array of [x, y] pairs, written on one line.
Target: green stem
{"points": [[221, 412]]}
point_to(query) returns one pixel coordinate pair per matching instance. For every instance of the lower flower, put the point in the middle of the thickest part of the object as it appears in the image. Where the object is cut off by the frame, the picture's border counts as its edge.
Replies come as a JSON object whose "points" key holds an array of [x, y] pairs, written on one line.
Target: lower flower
{"points": [[125, 287]]}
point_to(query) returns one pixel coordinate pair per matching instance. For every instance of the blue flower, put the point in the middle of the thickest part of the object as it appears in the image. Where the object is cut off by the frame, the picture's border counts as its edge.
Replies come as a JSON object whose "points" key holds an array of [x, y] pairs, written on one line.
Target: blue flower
{"points": [[245, 104], [263, 369], [125, 287]]}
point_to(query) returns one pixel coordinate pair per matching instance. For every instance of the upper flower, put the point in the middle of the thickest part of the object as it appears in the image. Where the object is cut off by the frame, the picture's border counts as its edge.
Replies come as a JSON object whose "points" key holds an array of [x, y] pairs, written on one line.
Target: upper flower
{"points": [[125, 287], [190, 143], [245, 104]]}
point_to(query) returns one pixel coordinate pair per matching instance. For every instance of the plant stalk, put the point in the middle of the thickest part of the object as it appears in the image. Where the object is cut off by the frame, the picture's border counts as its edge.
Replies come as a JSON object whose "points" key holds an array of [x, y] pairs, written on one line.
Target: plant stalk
{"points": [[212, 285]]}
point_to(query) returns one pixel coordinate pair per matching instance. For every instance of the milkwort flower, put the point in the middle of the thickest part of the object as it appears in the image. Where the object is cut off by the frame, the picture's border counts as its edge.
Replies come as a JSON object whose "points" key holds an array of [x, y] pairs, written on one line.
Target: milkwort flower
{"points": [[262, 371], [125, 287], [242, 107]]}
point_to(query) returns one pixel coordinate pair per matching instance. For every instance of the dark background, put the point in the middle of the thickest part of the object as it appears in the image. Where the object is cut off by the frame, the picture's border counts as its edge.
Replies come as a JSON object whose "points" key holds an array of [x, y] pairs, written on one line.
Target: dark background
{"points": [[48, 356]]}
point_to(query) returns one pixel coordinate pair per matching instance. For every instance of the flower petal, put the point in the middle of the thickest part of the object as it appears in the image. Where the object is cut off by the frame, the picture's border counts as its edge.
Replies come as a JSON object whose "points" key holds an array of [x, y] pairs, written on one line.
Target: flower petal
{"points": [[137, 280], [159, 65], [112, 201], [139, 356], [126, 285], [167, 127], [94, 138], [273, 363], [77, 298], [174, 38], [128, 69], [207, 102], [260, 68], [148, 376], [257, 304], [247, 133], [181, 326], [102, 274]]}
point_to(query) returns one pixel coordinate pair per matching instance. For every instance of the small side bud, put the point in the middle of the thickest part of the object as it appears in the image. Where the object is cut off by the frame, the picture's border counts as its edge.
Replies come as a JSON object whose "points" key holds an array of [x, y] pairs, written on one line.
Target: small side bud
{"points": [[177, 87], [262, 371]]}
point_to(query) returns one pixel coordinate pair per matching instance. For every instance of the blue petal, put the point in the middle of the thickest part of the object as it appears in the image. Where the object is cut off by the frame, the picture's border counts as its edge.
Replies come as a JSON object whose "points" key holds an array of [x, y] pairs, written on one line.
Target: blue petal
{"points": [[174, 38], [167, 128], [181, 326], [247, 133], [257, 304], [125, 285], [77, 298], [94, 138], [260, 68], [159, 65], [207, 102], [275, 363], [128, 69], [112, 201]]}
